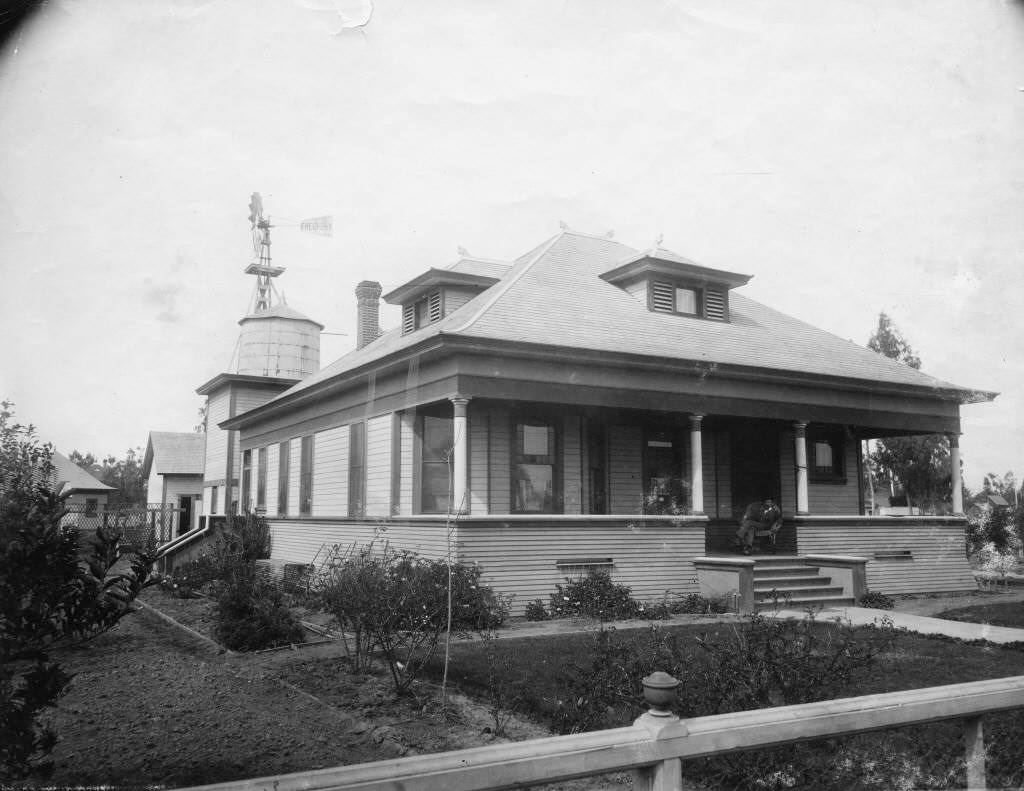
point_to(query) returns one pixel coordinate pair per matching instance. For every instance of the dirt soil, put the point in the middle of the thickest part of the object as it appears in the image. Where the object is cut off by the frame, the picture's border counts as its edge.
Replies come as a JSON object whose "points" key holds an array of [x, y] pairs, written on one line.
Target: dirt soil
{"points": [[151, 706]]}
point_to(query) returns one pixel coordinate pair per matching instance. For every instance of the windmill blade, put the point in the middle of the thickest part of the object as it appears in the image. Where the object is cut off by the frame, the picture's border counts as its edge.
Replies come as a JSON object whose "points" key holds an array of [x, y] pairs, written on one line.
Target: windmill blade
{"points": [[321, 226]]}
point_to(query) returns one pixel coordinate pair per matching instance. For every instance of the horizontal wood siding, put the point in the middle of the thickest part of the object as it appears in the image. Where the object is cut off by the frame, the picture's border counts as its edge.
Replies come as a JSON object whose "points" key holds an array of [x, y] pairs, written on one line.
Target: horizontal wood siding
{"points": [[330, 472], [479, 458], [408, 430], [181, 486], [272, 465], [298, 541], [937, 562], [572, 466], [838, 498], [250, 398], [378, 465], [625, 484], [216, 440], [500, 462], [520, 558]]}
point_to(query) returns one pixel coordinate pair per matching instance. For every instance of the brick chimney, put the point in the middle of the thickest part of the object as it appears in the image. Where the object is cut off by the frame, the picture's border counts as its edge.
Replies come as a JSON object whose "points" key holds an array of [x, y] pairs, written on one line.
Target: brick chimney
{"points": [[367, 312]]}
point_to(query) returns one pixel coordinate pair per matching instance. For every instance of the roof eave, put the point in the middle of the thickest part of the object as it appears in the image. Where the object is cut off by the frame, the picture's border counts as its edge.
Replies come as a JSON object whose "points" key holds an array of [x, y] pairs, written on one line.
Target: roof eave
{"points": [[436, 277], [646, 263]]}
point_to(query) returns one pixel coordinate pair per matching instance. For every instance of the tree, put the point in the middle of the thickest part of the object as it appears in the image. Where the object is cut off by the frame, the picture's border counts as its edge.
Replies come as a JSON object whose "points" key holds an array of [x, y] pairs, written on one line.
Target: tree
{"points": [[125, 475], [55, 588], [919, 465]]}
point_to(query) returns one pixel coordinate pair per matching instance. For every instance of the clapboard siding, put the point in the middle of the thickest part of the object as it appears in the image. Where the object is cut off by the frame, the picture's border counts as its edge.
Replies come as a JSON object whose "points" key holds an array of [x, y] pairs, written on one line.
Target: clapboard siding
{"points": [[272, 465], [938, 562], [625, 487], [408, 435], [246, 399], [520, 559], [500, 462], [330, 472], [572, 466], [217, 440], [479, 456], [838, 498], [378, 465], [299, 540]]}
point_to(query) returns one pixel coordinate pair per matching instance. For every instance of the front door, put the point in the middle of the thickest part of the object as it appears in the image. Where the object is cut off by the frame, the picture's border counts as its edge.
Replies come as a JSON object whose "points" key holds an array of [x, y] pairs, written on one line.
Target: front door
{"points": [[185, 516], [754, 450]]}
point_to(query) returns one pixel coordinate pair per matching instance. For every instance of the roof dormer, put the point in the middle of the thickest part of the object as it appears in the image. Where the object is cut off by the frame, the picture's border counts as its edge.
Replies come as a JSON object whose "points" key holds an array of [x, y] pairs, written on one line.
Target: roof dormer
{"points": [[437, 293], [668, 283]]}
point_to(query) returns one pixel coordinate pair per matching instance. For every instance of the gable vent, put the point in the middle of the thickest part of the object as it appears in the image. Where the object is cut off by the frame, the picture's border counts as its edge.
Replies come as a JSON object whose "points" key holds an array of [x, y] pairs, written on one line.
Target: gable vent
{"points": [[408, 318], [662, 297], [714, 304], [434, 307]]}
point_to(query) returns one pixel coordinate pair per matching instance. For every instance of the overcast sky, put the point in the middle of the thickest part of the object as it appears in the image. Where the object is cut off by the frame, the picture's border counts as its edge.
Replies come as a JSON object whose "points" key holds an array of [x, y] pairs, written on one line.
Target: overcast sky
{"points": [[854, 155]]}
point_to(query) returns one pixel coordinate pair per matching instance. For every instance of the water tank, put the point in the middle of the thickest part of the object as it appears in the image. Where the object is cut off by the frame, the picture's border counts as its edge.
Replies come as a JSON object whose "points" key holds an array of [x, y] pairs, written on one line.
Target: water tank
{"points": [[279, 342]]}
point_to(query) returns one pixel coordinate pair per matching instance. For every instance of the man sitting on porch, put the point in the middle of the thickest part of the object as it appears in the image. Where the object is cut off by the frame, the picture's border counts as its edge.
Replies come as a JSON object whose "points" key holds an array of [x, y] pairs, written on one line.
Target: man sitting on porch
{"points": [[758, 516]]}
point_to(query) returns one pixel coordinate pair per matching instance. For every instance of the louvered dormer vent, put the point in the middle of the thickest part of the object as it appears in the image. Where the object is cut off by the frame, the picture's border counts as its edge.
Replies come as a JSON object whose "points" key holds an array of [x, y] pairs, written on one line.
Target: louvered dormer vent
{"points": [[663, 297], [422, 312], [716, 304]]}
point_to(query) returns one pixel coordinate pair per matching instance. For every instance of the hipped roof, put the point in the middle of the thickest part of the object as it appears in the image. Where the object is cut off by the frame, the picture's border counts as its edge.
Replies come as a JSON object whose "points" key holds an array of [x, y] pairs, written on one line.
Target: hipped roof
{"points": [[555, 296], [70, 478]]}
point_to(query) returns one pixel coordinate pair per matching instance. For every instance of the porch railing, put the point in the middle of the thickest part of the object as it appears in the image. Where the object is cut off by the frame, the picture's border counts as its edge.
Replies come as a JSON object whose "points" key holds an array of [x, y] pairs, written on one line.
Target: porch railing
{"points": [[661, 750]]}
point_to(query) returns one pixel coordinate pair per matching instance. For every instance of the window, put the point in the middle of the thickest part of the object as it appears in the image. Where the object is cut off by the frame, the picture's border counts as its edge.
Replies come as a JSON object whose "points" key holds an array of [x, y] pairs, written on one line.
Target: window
{"points": [[92, 506], [261, 479], [437, 435], [686, 301], [246, 479], [422, 312], [664, 486], [534, 468], [306, 476], [668, 297], [284, 456], [213, 499], [357, 470], [825, 455]]}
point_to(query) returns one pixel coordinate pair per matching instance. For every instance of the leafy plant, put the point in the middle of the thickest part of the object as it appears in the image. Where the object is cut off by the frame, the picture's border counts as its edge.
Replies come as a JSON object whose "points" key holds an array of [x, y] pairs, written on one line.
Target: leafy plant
{"points": [[877, 600], [54, 589], [594, 596], [536, 611], [186, 580], [252, 615]]}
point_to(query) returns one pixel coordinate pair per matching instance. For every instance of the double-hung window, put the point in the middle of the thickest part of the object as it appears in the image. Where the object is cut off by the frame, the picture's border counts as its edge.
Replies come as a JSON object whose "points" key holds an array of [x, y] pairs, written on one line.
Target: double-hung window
{"points": [[283, 472], [306, 476], [246, 480], [435, 457], [535, 472], [357, 470], [825, 450], [261, 479]]}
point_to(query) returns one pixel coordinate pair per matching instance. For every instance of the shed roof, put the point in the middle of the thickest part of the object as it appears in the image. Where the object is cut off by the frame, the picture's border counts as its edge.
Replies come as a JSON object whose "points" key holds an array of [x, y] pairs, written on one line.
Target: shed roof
{"points": [[175, 453], [70, 478], [555, 295]]}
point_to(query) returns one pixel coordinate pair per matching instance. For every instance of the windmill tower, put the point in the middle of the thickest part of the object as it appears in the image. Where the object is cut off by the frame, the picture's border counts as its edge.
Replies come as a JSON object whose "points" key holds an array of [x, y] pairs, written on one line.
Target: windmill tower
{"points": [[277, 347]]}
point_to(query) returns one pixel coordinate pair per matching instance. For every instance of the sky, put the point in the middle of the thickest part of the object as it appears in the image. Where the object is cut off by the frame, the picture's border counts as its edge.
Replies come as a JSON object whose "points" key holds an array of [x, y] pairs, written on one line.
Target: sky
{"points": [[855, 156]]}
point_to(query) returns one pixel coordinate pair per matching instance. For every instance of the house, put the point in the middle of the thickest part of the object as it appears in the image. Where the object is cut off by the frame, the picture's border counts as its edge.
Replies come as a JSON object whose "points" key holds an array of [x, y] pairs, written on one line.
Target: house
{"points": [[85, 495], [589, 404], [173, 468]]}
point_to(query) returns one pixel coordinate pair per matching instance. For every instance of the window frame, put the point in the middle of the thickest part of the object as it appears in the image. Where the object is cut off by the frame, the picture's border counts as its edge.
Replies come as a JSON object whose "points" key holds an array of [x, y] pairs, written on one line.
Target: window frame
{"points": [[246, 479], [446, 414], [428, 309], [357, 472], [306, 475], [675, 286], [213, 500], [261, 478], [516, 458], [835, 438], [284, 453], [92, 506]]}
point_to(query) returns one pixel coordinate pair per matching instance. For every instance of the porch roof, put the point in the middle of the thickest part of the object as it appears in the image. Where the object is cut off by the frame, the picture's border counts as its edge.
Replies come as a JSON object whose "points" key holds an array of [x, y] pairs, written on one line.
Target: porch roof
{"points": [[555, 296]]}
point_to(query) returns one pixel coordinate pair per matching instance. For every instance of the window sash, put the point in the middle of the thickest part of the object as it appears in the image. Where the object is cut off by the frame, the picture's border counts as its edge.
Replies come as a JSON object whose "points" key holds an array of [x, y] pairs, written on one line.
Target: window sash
{"points": [[357, 470], [535, 473], [306, 476], [284, 459], [261, 478], [246, 478], [437, 436]]}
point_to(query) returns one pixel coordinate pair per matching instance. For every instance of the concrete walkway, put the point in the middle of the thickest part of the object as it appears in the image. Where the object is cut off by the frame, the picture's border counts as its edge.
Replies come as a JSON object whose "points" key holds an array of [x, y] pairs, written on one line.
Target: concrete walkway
{"points": [[923, 624]]}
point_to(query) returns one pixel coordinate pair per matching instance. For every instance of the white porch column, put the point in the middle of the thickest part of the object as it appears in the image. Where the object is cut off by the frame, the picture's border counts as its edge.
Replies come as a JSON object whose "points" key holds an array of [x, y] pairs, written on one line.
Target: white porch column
{"points": [[460, 456], [800, 449], [954, 464], [696, 465]]}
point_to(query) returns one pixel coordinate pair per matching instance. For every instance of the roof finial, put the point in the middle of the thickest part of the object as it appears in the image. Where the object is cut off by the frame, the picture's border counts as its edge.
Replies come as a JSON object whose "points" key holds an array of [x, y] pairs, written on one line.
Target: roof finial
{"points": [[563, 225], [463, 251], [610, 234], [659, 240]]}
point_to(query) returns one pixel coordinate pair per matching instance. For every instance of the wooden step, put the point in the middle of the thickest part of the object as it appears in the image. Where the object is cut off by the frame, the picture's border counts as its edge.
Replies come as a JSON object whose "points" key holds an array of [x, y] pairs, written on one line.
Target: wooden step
{"points": [[821, 590], [808, 581], [778, 572], [800, 602]]}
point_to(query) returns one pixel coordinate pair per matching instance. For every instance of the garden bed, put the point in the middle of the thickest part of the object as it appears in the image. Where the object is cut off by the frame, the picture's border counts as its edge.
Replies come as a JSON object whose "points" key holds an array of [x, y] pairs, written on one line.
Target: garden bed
{"points": [[1009, 614]]}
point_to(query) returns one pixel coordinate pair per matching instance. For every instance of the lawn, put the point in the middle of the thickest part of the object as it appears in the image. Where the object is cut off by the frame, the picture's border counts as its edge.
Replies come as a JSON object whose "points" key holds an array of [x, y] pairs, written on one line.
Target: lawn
{"points": [[996, 614]]}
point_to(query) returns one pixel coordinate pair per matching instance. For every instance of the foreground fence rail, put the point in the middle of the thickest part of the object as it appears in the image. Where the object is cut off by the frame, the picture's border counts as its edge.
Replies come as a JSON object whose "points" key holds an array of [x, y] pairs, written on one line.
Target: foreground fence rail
{"points": [[660, 748]]}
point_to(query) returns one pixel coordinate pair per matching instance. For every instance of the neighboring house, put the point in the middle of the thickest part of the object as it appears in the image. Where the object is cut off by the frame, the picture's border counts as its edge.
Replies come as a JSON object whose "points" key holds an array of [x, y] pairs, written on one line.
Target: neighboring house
{"points": [[173, 467], [85, 495], [588, 404]]}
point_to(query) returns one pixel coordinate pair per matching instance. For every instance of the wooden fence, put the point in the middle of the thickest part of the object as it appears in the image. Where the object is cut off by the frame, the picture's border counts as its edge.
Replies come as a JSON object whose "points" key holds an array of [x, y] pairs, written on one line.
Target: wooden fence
{"points": [[655, 747], [135, 525]]}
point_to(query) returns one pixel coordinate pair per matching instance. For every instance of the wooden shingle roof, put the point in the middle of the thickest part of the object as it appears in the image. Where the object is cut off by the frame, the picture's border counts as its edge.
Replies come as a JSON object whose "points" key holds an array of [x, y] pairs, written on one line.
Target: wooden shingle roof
{"points": [[69, 477], [175, 453], [555, 296]]}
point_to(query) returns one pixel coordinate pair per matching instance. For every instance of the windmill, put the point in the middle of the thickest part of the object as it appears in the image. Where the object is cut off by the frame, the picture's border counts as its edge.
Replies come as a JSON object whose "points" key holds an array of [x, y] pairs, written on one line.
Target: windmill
{"points": [[262, 267]]}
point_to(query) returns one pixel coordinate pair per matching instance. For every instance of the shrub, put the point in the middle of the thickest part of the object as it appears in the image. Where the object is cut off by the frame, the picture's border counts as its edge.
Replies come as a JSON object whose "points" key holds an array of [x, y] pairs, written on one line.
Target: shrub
{"points": [[877, 600], [594, 596], [237, 543], [535, 611], [251, 615], [186, 580], [398, 602]]}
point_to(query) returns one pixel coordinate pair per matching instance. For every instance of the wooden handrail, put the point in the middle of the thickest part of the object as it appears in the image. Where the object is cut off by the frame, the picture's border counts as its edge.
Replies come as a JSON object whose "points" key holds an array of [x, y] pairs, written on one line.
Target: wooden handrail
{"points": [[650, 743]]}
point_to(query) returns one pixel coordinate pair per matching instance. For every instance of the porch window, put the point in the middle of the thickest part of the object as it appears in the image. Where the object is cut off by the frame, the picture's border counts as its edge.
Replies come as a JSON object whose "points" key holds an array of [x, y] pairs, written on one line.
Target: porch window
{"points": [[246, 479], [261, 478], [535, 473], [437, 434], [825, 450], [665, 489], [357, 469], [284, 456], [306, 476]]}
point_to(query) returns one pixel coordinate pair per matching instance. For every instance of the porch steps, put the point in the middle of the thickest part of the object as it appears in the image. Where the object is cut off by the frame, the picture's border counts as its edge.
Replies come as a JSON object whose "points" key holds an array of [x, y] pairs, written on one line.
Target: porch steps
{"points": [[793, 583]]}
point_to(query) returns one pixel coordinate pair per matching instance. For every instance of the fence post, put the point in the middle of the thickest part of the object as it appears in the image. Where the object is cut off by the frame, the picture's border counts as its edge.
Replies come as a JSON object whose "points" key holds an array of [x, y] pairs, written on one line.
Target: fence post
{"points": [[974, 739], [667, 775]]}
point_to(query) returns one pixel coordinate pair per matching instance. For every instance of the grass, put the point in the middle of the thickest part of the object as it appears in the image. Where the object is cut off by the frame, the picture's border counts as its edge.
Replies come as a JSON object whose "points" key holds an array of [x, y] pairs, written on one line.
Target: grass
{"points": [[997, 614]]}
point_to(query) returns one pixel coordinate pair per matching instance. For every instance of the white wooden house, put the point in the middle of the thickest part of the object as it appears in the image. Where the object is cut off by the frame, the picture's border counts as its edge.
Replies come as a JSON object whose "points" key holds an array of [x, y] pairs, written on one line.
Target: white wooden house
{"points": [[173, 469], [591, 404], [85, 496]]}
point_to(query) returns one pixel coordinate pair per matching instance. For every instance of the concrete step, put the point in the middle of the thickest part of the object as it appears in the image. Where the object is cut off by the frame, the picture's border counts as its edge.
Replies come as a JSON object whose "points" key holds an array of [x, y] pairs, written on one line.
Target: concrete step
{"points": [[795, 593], [776, 560], [775, 572], [805, 601], [809, 581]]}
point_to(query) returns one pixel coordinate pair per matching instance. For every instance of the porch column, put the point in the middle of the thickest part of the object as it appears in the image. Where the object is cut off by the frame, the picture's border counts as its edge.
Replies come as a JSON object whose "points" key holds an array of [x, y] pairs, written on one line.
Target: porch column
{"points": [[800, 449], [696, 466], [954, 464], [460, 456]]}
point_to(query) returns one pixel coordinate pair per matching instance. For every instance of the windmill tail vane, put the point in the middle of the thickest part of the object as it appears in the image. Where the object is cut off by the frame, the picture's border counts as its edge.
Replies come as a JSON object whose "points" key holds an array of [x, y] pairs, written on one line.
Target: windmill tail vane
{"points": [[321, 226]]}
